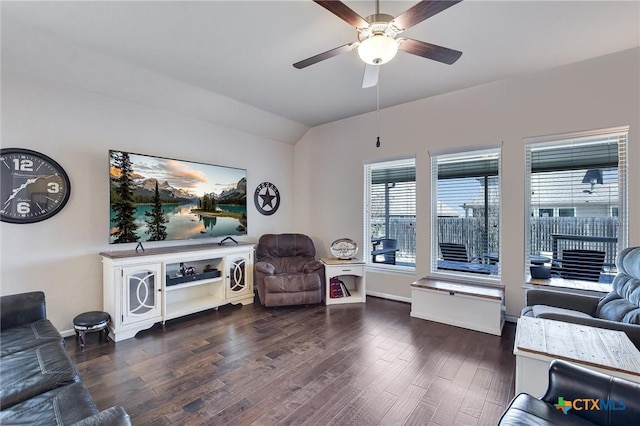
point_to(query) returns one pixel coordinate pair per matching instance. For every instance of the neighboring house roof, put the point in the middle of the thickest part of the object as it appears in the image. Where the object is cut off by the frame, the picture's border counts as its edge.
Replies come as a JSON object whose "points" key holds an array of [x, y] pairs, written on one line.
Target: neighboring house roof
{"points": [[445, 210], [566, 189], [547, 192]]}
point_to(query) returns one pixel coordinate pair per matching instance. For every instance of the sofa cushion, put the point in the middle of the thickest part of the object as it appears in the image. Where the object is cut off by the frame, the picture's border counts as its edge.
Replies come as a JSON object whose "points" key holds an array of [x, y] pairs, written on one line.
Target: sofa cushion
{"points": [[63, 406], [22, 308], [285, 283], [33, 371], [27, 336], [539, 311]]}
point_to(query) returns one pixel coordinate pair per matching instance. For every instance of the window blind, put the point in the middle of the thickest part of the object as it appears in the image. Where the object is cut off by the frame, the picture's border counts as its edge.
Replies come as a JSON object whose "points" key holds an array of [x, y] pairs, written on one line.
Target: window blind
{"points": [[577, 204], [390, 213], [465, 226]]}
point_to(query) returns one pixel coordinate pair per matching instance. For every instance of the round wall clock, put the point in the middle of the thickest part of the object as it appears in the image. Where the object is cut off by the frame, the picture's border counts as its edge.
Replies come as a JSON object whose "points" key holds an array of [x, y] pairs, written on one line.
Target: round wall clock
{"points": [[266, 198], [33, 187], [344, 248]]}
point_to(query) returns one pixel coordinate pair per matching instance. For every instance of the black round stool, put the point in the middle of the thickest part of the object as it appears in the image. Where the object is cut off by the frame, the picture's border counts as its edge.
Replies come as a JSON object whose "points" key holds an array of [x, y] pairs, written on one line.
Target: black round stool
{"points": [[91, 321]]}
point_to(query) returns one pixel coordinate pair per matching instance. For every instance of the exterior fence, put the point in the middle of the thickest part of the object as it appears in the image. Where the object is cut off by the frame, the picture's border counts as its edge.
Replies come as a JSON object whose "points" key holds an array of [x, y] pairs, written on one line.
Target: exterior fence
{"points": [[471, 232]]}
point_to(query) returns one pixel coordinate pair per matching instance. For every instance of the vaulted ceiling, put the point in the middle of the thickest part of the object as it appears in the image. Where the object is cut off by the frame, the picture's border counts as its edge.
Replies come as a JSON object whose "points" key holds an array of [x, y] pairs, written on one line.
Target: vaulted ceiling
{"points": [[244, 50]]}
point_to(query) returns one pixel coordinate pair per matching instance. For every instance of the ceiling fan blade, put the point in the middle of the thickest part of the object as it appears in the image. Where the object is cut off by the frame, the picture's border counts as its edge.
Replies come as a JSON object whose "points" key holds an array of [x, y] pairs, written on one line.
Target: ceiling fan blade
{"points": [[345, 13], [370, 78], [429, 51], [326, 55], [421, 11]]}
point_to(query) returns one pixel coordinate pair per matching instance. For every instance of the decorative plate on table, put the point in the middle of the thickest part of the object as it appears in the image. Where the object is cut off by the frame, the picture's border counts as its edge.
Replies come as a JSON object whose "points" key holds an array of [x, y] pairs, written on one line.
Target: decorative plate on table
{"points": [[344, 248]]}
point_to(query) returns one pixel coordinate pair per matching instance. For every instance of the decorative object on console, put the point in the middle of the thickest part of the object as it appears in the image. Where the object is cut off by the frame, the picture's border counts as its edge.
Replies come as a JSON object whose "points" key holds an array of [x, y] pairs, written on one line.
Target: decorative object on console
{"points": [[264, 197], [344, 248], [157, 199], [188, 273], [187, 270], [33, 187]]}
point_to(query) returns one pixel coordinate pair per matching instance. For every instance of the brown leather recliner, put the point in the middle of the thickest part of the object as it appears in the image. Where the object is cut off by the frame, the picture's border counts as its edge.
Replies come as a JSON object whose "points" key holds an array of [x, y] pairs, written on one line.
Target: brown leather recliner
{"points": [[287, 272]]}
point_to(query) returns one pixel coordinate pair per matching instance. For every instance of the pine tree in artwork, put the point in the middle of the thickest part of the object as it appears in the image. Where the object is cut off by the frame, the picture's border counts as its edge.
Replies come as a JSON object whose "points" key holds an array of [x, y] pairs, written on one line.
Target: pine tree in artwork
{"points": [[156, 219], [123, 205], [208, 203]]}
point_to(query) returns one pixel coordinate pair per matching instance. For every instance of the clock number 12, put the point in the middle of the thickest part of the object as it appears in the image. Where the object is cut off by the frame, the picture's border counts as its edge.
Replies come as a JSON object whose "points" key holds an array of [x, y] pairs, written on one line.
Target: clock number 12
{"points": [[23, 165]]}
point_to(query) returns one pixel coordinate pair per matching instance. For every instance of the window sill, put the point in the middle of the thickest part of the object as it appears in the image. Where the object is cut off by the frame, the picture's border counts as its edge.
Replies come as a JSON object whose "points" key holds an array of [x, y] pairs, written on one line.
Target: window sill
{"points": [[576, 286], [391, 269], [489, 280]]}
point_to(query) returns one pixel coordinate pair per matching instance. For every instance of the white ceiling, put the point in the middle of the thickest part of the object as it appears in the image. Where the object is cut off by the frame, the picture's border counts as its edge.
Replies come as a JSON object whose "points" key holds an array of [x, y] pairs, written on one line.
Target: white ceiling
{"points": [[245, 49]]}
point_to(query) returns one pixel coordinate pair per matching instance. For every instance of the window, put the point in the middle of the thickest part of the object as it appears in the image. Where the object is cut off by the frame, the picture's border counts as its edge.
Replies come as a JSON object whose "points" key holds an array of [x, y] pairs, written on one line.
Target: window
{"points": [[545, 212], [390, 213], [583, 177], [567, 212], [465, 226]]}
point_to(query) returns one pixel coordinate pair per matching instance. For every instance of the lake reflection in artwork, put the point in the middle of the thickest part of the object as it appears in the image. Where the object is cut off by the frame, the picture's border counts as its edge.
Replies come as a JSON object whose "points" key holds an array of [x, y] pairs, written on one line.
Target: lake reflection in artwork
{"points": [[182, 224]]}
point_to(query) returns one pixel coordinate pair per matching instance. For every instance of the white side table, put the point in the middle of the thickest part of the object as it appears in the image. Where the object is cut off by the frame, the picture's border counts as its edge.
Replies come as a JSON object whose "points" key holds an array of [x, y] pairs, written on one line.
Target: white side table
{"points": [[351, 273]]}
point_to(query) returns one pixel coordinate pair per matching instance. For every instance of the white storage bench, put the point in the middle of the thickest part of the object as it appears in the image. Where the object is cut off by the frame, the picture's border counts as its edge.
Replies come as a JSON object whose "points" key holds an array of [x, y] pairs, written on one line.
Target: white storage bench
{"points": [[464, 305]]}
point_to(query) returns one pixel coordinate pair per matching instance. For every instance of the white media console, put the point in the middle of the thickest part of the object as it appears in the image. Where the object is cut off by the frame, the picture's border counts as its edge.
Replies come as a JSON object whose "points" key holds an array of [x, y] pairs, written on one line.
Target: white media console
{"points": [[142, 288]]}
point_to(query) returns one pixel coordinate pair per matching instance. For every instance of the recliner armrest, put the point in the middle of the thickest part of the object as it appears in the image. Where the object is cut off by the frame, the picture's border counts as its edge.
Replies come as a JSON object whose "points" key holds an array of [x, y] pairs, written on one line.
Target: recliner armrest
{"points": [[265, 267], [572, 382], [23, 308], [576, 302], [313, 266], [114, 416]]}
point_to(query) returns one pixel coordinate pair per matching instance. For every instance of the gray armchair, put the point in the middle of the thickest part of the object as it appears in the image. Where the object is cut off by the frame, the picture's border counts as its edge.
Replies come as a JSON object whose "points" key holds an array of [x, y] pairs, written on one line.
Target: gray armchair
{"points": [[287, 272], [618, 310]]}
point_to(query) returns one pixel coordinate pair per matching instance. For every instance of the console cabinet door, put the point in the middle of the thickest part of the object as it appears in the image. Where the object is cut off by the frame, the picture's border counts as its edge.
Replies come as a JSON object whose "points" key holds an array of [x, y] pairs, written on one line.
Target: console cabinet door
{"points": [[141, 286], [239, 276]]}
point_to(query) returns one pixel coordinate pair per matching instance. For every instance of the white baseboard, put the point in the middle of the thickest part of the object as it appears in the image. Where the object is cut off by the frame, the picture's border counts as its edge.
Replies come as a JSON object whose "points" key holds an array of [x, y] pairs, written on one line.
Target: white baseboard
{"points": [[511, 318], [68, 333], [389, 296]]}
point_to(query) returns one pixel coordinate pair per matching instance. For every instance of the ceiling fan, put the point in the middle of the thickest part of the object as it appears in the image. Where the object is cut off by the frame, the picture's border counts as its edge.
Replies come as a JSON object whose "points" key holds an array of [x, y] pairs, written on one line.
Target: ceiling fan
{"points": [[378, 40]]}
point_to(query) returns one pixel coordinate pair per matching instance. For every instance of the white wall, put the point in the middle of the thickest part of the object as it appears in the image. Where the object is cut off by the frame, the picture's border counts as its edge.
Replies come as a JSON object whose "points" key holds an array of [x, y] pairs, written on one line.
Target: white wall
{"points": [[77, 127], [600, 93]]}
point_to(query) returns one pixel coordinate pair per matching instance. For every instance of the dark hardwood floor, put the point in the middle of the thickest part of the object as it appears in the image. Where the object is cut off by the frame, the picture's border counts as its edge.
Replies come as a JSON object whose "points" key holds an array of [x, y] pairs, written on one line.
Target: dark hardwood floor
{"points": [[355, 364]]}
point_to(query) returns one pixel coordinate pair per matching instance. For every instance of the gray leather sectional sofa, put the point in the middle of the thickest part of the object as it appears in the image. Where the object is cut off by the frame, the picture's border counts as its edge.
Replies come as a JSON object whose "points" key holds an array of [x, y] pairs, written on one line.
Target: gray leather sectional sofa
{"points": [[39, 383]]}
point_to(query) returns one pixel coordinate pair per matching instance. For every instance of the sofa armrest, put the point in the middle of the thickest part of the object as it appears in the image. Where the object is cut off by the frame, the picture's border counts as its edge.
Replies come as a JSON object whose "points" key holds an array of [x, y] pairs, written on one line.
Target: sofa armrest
{"points": [[114, 416], [265, 268], [576, 302], [23, 308], [313, 266], [572, 382]]}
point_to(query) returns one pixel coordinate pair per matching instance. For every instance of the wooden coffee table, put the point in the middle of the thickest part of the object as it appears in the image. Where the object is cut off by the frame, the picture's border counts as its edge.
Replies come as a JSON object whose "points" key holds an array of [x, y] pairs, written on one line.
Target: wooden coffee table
{"points": [[538, 341]]}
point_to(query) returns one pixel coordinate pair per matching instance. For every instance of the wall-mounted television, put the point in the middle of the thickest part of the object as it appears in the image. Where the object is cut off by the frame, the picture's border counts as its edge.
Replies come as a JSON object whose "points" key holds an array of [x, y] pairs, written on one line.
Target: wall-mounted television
{"points": [[161, 199]]}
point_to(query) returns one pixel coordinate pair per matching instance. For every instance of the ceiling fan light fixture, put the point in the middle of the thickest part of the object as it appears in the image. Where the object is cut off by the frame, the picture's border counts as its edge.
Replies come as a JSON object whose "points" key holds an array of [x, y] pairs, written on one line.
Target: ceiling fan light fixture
{"points": [[378, 49]]}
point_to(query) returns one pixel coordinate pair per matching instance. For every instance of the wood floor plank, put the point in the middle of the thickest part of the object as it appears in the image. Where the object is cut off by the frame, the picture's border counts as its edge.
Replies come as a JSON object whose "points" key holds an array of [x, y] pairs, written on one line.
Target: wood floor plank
{"points": [[359, 364], [420, 415], [404, 406], [490, 414]]}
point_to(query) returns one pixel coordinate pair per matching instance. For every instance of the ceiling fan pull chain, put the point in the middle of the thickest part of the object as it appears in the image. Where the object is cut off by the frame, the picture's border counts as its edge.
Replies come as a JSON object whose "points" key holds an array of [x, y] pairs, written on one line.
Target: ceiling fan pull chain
{"points": [[378, 115]]}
